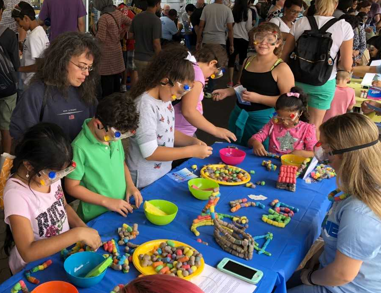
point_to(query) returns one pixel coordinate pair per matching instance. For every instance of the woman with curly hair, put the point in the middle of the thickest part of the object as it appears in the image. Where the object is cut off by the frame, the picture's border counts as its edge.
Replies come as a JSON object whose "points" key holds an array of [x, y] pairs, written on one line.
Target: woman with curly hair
{"points": [[63, 90]]}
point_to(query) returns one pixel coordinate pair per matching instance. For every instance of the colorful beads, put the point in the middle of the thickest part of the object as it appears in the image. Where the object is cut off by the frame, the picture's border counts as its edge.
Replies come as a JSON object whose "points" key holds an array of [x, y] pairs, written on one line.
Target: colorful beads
{"points": [[183, 262], [263, 183], [240, 203], [224, 173], [269, 166], [41, 267]]}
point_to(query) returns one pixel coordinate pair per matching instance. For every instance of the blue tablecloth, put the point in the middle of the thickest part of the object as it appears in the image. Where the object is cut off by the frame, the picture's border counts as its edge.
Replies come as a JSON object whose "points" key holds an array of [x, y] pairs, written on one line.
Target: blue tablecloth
{"points": [[288, 247]]}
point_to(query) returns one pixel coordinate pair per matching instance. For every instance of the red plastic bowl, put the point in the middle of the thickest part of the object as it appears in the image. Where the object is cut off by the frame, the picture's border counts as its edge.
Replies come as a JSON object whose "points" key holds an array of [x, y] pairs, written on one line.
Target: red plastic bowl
{"points": [[232, 156]]}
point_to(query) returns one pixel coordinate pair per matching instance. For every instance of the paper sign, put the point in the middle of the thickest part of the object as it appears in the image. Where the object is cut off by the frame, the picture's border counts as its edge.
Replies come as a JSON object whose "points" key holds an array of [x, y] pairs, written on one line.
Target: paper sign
{"points": [[257, 197], [368, 79], [374, 93], [311, 167], [182, 175], [212, 280]]}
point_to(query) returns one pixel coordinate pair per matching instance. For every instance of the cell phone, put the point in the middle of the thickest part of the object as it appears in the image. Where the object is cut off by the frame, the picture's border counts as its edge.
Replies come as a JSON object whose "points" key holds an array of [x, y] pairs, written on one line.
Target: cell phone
{"points": [[240, 271]]}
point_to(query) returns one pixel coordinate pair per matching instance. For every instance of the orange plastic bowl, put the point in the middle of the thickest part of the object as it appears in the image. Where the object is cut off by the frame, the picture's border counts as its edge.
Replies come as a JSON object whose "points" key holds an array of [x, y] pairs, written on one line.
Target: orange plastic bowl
{"points": [[56, 287]]}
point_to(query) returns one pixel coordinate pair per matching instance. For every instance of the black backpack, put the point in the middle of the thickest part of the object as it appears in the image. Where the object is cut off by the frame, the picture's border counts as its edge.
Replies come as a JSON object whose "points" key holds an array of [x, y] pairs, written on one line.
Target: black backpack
{"points": [[311, 61], [8, 75]]}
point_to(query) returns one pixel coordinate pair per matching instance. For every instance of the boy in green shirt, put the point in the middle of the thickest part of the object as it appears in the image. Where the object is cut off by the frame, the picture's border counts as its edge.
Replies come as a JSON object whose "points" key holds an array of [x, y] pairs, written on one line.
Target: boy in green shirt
{"points": [[101, 179]]}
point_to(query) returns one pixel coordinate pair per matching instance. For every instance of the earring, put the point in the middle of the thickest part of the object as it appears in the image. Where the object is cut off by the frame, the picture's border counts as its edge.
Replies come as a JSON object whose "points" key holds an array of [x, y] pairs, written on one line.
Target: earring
{"points": [[27, 174]]}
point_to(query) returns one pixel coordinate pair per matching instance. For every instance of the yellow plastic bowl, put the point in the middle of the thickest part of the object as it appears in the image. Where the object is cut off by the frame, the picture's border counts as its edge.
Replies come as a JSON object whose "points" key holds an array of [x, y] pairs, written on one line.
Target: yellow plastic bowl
{"points": [[292, 160]]}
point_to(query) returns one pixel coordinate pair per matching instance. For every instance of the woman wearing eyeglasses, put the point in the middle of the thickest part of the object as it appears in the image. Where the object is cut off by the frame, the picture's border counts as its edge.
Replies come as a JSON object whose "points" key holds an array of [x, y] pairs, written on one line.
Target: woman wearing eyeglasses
{"points": [[350, 260], [264, 78], [63, 90], [292, 8]]}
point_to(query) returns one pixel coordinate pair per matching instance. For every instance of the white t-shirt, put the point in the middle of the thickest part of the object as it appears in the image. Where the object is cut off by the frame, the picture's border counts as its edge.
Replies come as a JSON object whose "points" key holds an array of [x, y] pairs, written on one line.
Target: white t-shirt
{"points": [[284, 28], [45, 211], [241, 29], [216, 17], [35, 43], [156, 128], [341, 31]]}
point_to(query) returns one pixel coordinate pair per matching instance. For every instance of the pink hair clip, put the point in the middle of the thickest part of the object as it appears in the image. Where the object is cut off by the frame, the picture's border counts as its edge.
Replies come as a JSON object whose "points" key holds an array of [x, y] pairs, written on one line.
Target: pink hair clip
{"points": [[296, 95]]}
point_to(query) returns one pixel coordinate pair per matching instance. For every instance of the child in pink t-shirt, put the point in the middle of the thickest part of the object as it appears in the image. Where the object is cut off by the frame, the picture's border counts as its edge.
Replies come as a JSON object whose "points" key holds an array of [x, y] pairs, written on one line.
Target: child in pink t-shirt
{"points": [[35, 208], [189, 112], [289, 130], [344, 98]]}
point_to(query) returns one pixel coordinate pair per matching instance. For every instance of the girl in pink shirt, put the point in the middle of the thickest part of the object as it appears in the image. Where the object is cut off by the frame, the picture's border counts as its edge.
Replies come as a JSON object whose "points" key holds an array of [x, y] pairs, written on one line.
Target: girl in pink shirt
{"points": [[289, 130], [189, 112], [35, 209]]}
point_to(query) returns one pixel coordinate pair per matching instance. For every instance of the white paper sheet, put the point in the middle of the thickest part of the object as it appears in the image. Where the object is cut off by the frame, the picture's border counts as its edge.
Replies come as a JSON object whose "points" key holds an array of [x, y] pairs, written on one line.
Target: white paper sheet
{"points": [[367, 80], [212, 280], [311, 167], [375, 63]]}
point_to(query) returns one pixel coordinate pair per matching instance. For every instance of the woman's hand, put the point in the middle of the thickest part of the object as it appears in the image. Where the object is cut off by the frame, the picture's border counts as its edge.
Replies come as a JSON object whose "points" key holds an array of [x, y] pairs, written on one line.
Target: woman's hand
{"points": [[304, 276], [259, 149], [132, 190], [250, 97], [356, 53], [224, 134], [219, 95]]}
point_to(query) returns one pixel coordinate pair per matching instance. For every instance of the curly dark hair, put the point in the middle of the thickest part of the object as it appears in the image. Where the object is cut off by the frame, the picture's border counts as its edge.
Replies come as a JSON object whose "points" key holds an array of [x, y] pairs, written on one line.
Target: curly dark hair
{"points": [[118, 111], [169, 63], [291, 103], [52, 67], [210, 52]]}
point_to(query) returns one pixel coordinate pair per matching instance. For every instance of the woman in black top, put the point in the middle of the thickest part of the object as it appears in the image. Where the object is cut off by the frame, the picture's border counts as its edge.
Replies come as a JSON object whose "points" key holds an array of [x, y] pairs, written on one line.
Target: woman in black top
{"points": [[265, 77]]}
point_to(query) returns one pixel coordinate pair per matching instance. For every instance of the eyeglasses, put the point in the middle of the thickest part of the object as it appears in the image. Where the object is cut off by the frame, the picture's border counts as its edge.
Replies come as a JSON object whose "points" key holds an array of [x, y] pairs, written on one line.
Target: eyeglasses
{"points": [[323, 154], [112, 133], [54, 176], [219, 73], [83, 68], [285, 120], [292, 11], [270, 39], [185, 87]]}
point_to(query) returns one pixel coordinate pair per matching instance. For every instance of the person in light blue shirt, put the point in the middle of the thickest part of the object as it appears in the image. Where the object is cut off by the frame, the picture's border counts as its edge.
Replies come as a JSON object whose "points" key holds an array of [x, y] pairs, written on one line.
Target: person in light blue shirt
{"points": [[168, 25], [350, 261]]}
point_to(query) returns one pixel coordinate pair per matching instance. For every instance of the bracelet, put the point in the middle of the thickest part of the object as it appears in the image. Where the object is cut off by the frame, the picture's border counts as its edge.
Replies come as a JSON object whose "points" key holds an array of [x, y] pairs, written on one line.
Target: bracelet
{"points": [[309, 278]]}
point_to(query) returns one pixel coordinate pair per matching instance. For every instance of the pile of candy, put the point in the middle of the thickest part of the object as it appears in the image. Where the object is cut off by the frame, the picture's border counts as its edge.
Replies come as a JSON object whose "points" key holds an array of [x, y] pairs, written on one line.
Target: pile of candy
{"points": [[20, 286], [323, 172], [276, 219], [243, 203], [284, 209], [269, 165], [225, 173], [40, 267], [168, 259], [121, 262], [272, 155], [78, 247]]}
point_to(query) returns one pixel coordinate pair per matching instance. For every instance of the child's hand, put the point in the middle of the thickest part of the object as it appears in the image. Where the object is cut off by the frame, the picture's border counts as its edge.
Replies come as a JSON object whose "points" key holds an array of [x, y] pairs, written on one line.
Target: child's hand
{"points": [[201, 151], [365, 109], [196, 141], [224, 134], [132, 190], [90, 237], [118, 205], [259, 149]]}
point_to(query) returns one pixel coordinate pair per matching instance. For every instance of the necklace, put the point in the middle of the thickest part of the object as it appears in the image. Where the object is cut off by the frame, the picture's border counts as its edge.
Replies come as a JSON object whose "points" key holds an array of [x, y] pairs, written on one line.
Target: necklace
{"points": [[332, 195]]}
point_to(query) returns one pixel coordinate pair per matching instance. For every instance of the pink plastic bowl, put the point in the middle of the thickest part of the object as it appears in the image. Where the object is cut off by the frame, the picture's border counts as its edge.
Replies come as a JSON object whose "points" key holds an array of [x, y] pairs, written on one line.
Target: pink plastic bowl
{"points": [[232, 156]]}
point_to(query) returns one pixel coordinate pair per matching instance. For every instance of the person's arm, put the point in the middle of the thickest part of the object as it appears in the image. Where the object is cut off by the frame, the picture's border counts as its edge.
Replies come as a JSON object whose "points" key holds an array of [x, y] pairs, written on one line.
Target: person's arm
{"points": [[288, 47], [249, 22], [193, 116], [131, 188], [231, 37], [360, 71], [74, 220], [199, 33], [346, 61], [182, 140], [285, 81], [157, 46], [303, 153], [22, 34], [31, 250], [81, 25], [362, 37], [13, 49], [30, 68]]}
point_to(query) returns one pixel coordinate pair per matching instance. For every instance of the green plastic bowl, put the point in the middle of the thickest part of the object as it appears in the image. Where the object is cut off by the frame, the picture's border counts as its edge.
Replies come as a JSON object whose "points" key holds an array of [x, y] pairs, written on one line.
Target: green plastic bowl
{"points": [[202, 183], [167, 207]]}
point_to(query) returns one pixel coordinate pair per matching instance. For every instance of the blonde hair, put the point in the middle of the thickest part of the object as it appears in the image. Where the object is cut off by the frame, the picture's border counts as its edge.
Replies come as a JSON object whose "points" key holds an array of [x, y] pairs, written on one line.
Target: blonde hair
{"points": [[343, 75], [266, 27], [359, 172], [325, 7]]}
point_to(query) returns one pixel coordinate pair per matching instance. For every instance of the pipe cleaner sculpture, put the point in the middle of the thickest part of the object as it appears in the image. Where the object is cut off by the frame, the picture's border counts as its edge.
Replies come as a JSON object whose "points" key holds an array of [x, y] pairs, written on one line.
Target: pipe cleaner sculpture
{"points": [[231, 237]]}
